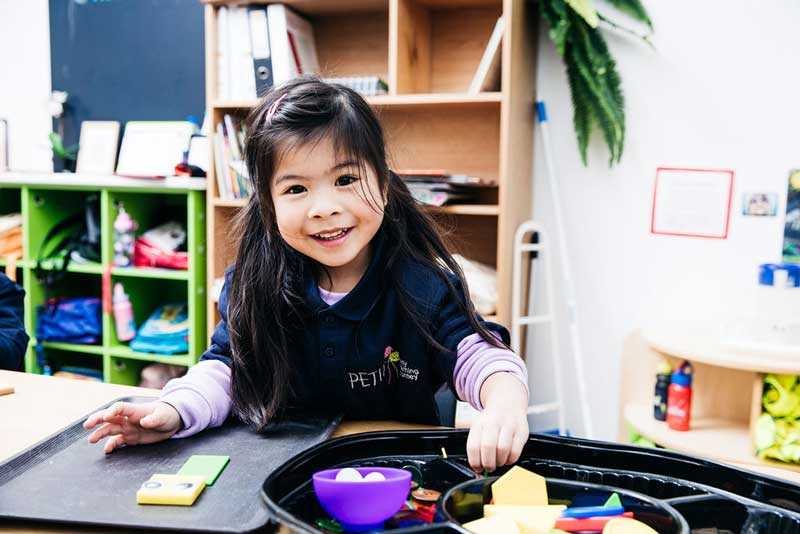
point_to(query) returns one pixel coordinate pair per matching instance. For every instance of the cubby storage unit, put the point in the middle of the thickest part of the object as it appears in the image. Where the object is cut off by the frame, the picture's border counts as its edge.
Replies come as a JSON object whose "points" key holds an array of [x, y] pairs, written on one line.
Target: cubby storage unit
{"points": [[44, 200], [427, 51], [726, 395]]}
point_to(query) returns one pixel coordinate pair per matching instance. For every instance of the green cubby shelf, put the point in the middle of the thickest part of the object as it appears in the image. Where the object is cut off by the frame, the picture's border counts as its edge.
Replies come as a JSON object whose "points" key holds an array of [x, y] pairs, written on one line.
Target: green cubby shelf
{"points": [[46, 199]]}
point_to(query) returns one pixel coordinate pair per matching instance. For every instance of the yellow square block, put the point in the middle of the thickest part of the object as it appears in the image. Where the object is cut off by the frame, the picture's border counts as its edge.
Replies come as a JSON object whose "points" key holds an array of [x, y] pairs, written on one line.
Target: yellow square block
{"points": [[520, 486], [529, 519], [171, 489], [498, 524]]}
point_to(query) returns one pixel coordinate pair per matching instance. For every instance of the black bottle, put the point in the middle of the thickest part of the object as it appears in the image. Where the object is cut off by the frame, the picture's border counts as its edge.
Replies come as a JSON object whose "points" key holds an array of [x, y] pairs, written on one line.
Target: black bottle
{"points": [[662, 388]]}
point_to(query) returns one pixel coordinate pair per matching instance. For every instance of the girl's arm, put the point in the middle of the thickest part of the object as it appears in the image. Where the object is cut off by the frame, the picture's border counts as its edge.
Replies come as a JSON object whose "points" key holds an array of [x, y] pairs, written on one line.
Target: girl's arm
{"points": [[477, 360], [202, 398], [495, 382]]}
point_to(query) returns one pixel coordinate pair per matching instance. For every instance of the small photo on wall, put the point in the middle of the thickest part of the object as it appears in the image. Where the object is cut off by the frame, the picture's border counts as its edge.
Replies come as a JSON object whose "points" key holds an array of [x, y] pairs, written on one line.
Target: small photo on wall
{"points": [[760, 204]]}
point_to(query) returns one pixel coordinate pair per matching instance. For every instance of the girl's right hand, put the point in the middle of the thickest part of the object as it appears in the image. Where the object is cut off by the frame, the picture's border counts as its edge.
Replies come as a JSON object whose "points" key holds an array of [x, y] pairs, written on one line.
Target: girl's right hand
{"points": [[134, 424]]}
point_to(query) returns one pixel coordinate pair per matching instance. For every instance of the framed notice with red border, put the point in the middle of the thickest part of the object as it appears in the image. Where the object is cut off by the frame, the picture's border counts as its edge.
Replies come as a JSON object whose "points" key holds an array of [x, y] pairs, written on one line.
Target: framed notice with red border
{"points": [[692, 202]]}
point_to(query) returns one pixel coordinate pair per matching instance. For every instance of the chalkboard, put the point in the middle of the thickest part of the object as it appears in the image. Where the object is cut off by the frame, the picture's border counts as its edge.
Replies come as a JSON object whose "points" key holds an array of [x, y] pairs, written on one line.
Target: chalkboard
{"points": [[127, 60]]}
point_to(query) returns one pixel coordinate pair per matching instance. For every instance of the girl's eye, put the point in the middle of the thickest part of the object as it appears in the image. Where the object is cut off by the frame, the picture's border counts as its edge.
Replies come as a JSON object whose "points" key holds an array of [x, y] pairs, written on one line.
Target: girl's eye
{"points": [[295, 190], [346, 180]]}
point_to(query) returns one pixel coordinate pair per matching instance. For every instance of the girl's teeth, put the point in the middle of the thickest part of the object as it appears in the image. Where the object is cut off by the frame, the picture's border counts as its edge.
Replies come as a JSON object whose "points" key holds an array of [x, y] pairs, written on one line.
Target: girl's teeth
{"points": [[331, 236]]}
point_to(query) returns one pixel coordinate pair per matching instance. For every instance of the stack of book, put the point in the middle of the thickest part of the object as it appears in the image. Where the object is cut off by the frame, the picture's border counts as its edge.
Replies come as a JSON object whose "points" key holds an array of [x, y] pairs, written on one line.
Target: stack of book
{"points": [[364, 85], [439, 187], [260, 46], [232, 179]]}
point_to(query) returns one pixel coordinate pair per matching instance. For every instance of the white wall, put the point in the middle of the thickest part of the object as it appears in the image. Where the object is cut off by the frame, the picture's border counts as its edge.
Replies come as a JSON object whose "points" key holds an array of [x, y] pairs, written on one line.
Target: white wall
{"points": [[25, 81], [719, 91]]}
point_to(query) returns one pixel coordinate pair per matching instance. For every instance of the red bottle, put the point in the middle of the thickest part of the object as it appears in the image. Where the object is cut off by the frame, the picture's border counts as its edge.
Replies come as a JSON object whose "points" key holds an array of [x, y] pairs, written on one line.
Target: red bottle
{"points": [[679, 398]]}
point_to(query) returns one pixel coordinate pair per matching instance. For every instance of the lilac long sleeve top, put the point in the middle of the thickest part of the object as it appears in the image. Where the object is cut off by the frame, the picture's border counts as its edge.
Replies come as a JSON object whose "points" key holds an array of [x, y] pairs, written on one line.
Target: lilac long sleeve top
{"points": [[202, 397]]}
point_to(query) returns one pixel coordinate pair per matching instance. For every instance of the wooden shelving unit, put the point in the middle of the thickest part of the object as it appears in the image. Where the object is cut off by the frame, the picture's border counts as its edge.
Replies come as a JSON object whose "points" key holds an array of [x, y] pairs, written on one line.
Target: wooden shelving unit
{"points": [[726, 396], [427, 51]]}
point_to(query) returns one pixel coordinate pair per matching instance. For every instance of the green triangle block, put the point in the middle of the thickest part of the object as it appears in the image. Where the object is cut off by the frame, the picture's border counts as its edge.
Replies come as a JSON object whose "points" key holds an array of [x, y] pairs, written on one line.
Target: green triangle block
{"points": [[613, 501]]}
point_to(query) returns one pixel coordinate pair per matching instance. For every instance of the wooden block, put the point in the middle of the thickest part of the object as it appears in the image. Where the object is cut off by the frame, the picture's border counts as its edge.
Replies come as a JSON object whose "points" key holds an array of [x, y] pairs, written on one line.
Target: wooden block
{"points": [[627, 526], [520, 486], [498, 524], [171, 489], [529, 519], [6, 389]]}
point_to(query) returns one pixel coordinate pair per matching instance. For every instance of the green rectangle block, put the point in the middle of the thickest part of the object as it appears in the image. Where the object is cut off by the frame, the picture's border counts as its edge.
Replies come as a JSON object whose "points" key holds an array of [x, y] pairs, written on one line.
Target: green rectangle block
{"points": [[205, 466]]}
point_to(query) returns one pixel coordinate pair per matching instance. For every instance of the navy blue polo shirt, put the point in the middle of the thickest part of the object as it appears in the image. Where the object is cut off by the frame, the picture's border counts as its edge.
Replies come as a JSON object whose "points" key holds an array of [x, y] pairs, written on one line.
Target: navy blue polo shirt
{"points": [[13, 339], [363, 356]]}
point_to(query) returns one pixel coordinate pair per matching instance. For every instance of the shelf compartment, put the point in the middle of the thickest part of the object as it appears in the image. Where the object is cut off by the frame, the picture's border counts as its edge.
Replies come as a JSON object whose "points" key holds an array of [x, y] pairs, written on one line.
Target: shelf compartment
{"points": [[455, 139], [730, 440], [472, 236], [146, 295], [45, 209], [225, 245], [353, 43], [440, 44]]}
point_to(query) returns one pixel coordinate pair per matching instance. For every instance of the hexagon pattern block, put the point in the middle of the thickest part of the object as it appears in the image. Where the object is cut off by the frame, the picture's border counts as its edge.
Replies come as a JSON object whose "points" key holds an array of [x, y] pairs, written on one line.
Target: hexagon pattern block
{"points": [[520, 486]]}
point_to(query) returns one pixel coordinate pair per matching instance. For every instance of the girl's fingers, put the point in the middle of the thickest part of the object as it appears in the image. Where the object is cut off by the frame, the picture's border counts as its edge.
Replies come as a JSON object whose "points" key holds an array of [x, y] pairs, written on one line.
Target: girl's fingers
{"points": [[105, 430], [113, 443], [520, 439], [94, 419], [504, 444], [124, 409], [489, 447], [474, 447]]}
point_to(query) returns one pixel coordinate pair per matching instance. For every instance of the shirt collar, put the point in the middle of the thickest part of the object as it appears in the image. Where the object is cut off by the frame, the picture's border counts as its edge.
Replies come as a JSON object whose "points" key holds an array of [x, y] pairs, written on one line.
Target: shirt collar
{"points": [[358, 302]]}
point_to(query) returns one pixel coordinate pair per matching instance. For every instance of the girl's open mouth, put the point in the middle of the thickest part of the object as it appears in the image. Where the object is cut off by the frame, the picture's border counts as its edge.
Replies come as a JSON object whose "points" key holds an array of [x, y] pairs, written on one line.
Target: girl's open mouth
{"points": [[332, 238]]}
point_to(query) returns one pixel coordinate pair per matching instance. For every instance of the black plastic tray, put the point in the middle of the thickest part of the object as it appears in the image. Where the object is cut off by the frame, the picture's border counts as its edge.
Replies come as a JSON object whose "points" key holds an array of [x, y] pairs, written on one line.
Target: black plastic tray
{"points": [[707, 494], [64, 479]]}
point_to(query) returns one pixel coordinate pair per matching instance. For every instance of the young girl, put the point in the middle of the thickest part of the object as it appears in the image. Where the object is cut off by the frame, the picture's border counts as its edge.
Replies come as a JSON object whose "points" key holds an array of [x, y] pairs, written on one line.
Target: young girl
{"points": [[343, 297]]}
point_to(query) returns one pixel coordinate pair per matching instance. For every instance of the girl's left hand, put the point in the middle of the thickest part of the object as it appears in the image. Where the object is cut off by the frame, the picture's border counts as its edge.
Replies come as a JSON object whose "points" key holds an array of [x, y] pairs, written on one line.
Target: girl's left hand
{"points": [[500, 431]]}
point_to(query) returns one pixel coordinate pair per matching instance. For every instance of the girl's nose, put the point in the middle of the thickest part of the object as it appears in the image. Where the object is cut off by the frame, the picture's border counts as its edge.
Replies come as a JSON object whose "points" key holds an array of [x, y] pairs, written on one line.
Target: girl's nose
{"points": [[323, 207]]}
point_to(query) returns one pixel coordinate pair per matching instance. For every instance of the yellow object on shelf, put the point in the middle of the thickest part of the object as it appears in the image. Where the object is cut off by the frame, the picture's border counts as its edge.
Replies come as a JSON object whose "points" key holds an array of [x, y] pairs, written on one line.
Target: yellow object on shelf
{"points": [[529, 519], [498, 524], [171, 489], [625, 525], [520, 487]]}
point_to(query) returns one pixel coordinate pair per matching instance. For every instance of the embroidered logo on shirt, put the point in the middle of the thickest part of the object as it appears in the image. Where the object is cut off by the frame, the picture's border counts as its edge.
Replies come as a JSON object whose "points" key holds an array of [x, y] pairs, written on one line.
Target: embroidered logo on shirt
{"points": [[393, 368]]}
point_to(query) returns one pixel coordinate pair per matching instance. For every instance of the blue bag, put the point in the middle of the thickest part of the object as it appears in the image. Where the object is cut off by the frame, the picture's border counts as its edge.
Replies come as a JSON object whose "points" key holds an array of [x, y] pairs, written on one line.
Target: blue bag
{"points": [[166, 331], [76, 320]]}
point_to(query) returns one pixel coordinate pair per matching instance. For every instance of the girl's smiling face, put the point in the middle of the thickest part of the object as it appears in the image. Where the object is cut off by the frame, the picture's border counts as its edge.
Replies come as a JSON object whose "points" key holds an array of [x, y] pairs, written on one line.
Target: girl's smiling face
{"points": [[328, 208]]}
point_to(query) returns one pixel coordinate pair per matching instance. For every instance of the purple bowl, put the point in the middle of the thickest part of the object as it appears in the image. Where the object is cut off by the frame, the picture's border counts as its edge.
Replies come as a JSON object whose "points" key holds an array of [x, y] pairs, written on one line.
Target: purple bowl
{"points": [[362, 506]]}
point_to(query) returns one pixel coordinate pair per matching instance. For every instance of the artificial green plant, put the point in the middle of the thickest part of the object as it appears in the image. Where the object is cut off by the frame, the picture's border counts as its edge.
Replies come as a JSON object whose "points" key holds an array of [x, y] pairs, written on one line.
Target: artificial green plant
{"points": [[594, 82]]}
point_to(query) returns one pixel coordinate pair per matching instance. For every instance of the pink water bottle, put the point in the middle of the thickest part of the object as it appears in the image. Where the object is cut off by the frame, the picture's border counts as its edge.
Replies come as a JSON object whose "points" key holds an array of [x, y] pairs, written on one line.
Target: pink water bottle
{"points": [[123, 314]]}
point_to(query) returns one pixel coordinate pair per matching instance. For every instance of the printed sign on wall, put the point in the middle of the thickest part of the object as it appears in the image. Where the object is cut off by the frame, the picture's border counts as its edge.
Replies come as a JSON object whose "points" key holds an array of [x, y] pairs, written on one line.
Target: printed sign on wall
{"points": [[692, 202]]}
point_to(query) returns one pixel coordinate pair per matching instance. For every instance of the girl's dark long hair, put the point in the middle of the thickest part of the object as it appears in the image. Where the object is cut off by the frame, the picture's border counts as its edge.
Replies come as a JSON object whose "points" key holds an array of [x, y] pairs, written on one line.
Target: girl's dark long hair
{"points": [[266, 308]]}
